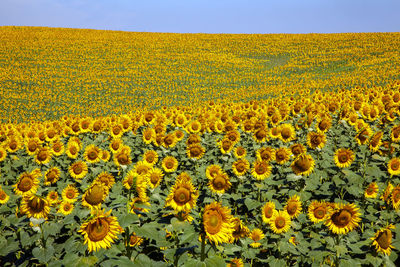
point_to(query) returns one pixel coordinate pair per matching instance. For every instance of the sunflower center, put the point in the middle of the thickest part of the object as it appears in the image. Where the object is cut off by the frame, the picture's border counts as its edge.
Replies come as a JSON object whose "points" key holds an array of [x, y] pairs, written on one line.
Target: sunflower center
{"points": [[116, 130], [77, 169], [260, 169], [154, 178], [92, 155], [280, 222], [32, 146], [384, 239], [395, 165], [319, 212], [25, 184], [268, 212], [341, 218], [150, 158], [226, 145], [343, 158], [98, 230], [169, 164], [261, 134], [42, 155], [70, 194], [240, 167], [115, 146], [219, 183], [67, 207], [123, 159], [73, 150], [370, 190], [291, 208], [213, 222], [13, 145], [286, 133], [95, 195], [303, 164], [396, 196], [168, 140], [96, 126], [3, 195], [316, 140], [36, 205], [182, 195], [195, 151]]}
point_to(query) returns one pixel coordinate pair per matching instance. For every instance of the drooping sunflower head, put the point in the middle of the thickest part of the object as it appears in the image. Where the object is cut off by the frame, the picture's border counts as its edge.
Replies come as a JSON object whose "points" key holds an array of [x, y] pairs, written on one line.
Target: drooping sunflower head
{"points": [[372, 190], [78, 170], [375, 141], [217, 221], [298, 149], [135, 240], [396, 197], [344, 157], [319, 211], [123, 156], [280, 221], [225, 145], [28, 183], [183, 196], [100, 231], [142, 168], [363, 135], [220, 183], [293, 206], [383, 240], [303, 165], [324, 124], [94, 195], [240, 230], [343, 219], [3, 153], [394, 166], [193, 139], [268, 211], [35, 206], [387, 193], [261, 170]]}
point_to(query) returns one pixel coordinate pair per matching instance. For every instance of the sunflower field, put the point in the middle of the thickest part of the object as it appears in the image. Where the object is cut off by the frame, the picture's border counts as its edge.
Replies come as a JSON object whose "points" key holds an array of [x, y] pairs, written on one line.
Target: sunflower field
{"points": [[273, 158]]}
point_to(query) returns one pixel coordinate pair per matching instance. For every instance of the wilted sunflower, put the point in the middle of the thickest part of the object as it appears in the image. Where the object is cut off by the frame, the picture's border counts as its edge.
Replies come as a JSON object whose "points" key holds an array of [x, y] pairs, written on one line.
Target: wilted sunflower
{"points": [[100, 231], [155, 176], [316, 140], [394, 166], [240, 230], [92, 154], [293, 206], [150, 157], [95, 195], [282, 155], [43, 155], [220, 183], [266, 154], [268, 211], [235, 263], [261, 170], [240, 166], [256, 235], [70, 194], [383, 240], [195, 151], [372, 190], [344, 157], [169, 164], [319, 211], [396, 197], [65, 208], [35, 206], [135, 240], [287, 132], [106, 179], [303, 165], [343, 219], [280, 222], [3, 196], [218, 223], [27, 183], [386, 194], [78, 170], [183, 196]]}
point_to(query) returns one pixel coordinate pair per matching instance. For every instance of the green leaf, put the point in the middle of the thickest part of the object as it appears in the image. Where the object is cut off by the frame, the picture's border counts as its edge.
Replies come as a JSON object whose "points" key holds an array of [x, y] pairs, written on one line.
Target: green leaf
{"points": [[128, 219], [251, 204], [43, 254], [215, 261]]}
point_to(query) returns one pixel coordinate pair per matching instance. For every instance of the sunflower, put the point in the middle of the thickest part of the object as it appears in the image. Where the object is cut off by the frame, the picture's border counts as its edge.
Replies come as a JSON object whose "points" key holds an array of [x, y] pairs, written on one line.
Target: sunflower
{"points": [[142, 168], [183, 196], [319, 211], [130, 179], [52, 198], [267, 211], [218, 223], [116, 131], [287, 132], [219, 183], [395, 133], [180, 120], [65, 208], [240, 230], [151, 157], [179, 135], [316, 140], [169, 164], [282, 155], [57, 148], [3, 196], [235, 263], [13, 145], [105, 155], [256, 235], [275, 132], [43, 155], [225, 145], [396, 197], [344, 157], [383, 240], [324, 124], [372, 190], [135, 240], [343, 219], [138, 209], [394, 166], [303, 165], [92, 154], [298, 149], [3, 154], [261, 170], [266, 154], [240, 152], [195, 151], [193, 139], [100, 231], [35, 206], [293, 206], [155, 176], [94, 195], [149, 135], [233, 136], [106, 179], [376, 141], [386, 194], [72, 150], [363, 135], [261, 135], [240, 167], [193, 126], [70, 194], [169, 140], [280, 221], [78, 170], [115, 145], [123, 156], [52, 175], [27, 183], [32, 145]]}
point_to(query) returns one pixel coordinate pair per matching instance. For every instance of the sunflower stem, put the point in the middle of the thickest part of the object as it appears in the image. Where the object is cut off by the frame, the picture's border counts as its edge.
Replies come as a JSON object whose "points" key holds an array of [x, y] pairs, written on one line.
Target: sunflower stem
{"points": [[128, 247], [42, 236], [203, 246]]}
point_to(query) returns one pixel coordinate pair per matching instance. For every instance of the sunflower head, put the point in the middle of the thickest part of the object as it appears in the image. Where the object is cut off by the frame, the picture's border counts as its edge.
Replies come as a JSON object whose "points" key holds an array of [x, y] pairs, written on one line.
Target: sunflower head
{"points": [[169, 164], [256, 235], [220, 183], [35, 206], [394, 166], [293, 206], [303, 164], [28, 182], [343, 219], [183, 196], [372, 190], [70, 194], [268, 211], [217, 221], [261, 170], [240, 230], [319, 211], [383, 240], [280, 222], [95, 195]]}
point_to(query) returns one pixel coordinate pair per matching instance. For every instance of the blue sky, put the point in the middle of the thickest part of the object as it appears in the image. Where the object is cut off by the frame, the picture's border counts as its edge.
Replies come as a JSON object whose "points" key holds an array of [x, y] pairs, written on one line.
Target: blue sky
{"points": [[207, 16]]}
